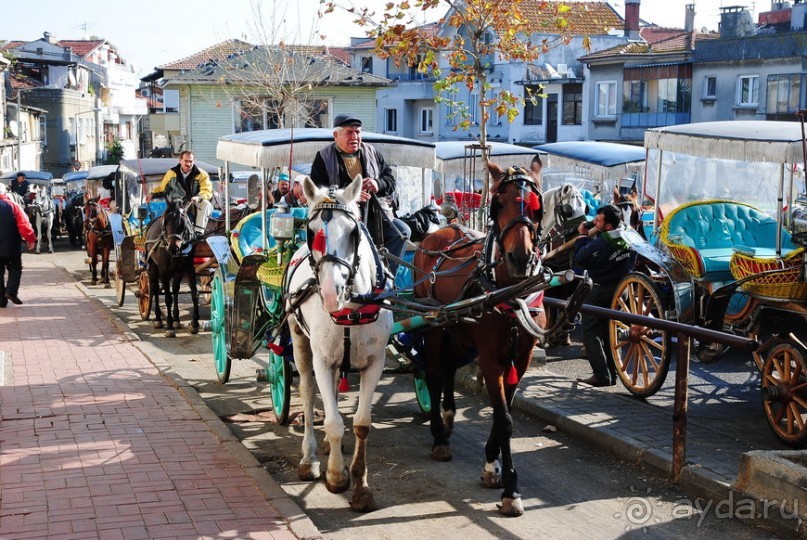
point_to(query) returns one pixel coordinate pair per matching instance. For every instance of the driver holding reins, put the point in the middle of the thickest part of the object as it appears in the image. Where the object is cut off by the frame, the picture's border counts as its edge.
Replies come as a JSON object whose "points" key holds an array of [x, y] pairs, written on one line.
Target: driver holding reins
{"points": [[189, 183]]}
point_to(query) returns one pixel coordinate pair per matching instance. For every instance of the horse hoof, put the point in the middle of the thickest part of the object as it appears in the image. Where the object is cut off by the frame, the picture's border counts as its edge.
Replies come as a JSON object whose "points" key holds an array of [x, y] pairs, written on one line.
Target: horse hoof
{"points": [[158, 325], [107, 285], [511, 507], [94, 282], [194, 329], [441, 453], [308, 472], [363, 501], [492, 479], [176, 325], [171, 333], [50, 251], [341, 485]]}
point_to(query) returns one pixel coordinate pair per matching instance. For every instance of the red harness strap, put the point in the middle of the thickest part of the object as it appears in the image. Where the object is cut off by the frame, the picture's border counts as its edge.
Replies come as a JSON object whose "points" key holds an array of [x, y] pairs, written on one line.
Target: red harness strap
{"points": [[534, 301], [363, 315]]}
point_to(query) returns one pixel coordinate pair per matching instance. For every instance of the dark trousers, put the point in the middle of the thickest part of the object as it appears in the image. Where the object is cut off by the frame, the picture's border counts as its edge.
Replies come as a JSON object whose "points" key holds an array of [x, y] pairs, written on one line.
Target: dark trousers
{"points": [[595, 334], [396, 233], [14, 267]]}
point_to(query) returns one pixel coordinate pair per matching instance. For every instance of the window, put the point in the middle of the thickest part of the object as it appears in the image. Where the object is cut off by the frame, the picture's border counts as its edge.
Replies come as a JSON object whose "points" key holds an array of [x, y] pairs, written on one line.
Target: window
{"points": [[533, 112], [783, 93], [656, 92], [605, 99], [450, 114], [391, 122], [748, 90], [426, 118], [709, 87], [473, 108], [316, 113], [43, 129], [572, 104], [366, 64]]}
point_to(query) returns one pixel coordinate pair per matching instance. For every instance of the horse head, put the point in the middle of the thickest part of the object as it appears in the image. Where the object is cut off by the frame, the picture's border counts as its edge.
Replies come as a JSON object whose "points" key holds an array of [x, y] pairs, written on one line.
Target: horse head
{"points": [[95, 218], [334, 238], [515, 215], [177, 229], [563, 205]]}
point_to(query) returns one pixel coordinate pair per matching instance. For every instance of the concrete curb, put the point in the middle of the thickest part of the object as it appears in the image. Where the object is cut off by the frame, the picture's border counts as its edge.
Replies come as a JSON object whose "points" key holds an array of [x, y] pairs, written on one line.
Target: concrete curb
{"points": [[299, 523]]}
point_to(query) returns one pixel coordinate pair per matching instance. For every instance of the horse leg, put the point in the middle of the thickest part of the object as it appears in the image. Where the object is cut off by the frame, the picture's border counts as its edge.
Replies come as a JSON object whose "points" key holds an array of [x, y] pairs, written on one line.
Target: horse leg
{"points": [[191, 275], [433, 349], [362, 500], [336, 474], [155, 288], [50, 234], [171, 305], [309, 467], [39, 234], [93, 253], [105, 265]]}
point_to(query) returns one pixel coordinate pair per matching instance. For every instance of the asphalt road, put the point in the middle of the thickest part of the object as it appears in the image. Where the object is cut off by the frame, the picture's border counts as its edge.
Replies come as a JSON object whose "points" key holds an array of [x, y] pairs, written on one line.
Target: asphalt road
{"points": [[570, 490]]}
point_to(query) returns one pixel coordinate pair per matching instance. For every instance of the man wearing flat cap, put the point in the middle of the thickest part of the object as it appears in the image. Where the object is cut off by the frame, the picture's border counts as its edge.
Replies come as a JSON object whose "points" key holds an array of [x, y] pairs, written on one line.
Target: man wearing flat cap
{"points": [[339, 162]]}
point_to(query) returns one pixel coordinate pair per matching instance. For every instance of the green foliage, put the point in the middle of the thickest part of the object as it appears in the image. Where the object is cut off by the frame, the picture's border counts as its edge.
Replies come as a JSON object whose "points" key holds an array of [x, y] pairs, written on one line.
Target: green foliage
{"points": [[114, 153]]}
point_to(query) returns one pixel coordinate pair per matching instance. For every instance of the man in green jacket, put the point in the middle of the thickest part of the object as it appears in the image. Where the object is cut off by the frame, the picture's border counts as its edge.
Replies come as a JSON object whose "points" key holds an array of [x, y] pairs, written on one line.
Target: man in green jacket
{"points": [[187, 182]]}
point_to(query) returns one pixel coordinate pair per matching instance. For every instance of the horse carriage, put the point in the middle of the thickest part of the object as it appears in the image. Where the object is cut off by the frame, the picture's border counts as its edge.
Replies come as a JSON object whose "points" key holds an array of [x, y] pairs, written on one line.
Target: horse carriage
{"points": [[133, 181], [726, 246], [40, 208], [283, 274]]}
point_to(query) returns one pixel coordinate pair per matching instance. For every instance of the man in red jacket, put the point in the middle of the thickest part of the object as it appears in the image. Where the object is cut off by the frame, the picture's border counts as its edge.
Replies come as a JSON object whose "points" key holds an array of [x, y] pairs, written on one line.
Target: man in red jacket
{"points": [[14, 228]]}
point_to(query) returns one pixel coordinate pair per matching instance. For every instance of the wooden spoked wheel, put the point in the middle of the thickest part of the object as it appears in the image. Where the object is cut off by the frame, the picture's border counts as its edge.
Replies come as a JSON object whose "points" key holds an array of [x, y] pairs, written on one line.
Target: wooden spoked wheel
{"points": [[144, 296], [120, 287], [784, 392], [641, 354]]}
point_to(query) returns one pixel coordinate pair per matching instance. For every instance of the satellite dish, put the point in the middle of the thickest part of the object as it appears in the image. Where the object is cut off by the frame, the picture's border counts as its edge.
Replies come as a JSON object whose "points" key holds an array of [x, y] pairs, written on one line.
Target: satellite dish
{"points": [[14, 128]]}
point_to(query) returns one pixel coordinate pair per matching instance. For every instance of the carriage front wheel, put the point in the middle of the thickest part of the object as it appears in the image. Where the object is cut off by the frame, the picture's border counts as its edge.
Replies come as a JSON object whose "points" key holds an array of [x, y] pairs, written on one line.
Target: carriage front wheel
{"points": [[120, 286], [218, 329], [279, 374], [641, 354], [784, 392], [144, 296]]}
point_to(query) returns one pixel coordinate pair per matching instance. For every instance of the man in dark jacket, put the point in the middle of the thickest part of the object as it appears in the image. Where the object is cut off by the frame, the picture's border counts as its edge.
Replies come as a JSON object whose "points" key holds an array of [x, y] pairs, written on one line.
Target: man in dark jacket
{"points": [[14, 228], [20, 186], [338, 163], [599, 251], [187, 182]]}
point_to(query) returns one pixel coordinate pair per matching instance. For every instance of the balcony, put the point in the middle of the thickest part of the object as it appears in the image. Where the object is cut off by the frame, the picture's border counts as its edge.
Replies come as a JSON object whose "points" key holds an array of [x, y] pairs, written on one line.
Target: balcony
{"points": [[654, 119]]}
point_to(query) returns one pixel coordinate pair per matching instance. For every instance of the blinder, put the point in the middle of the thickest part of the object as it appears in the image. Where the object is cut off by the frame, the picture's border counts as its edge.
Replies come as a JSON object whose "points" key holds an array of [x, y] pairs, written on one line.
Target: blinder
{"points": [[326, 210]]}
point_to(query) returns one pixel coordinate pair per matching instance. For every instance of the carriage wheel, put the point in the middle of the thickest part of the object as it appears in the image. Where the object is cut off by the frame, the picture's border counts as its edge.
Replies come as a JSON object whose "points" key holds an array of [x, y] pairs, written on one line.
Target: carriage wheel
{"points": [[218, 330], [279, 374], [144, 296], [641, 354], [120, 287], [205, 290], [422, 391], [784, 393]]}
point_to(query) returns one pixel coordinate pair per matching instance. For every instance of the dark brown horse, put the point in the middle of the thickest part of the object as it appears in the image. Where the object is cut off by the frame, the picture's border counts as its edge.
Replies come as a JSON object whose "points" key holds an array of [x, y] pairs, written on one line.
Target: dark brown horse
{"points": [[169, 244], [506, 255], [98, 239]]}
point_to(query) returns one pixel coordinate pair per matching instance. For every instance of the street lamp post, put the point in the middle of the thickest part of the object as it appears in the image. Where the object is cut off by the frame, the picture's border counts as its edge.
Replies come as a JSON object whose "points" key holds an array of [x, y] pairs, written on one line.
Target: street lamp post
{"points": [[75, 124]]}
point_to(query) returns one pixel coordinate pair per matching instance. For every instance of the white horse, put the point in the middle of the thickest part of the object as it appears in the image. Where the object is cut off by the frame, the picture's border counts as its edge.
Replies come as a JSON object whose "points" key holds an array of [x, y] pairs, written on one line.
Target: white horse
{"points": [[340, 259], [42, 212], [562, 205]]}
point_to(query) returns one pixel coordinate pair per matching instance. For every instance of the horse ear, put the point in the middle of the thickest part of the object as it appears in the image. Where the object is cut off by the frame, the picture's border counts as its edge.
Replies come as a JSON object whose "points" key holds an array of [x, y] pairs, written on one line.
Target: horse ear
{"points": [[496, 174], [353, 191], [309, 188]]}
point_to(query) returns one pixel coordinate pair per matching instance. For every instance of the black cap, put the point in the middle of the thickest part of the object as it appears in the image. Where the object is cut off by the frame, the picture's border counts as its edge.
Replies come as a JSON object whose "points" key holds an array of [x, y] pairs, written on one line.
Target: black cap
{"points": [[346, 119], [21, 174]]}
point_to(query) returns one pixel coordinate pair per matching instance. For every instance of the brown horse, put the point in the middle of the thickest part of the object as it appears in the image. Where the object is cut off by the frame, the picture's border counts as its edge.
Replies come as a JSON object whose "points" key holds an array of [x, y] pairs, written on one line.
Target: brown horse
{"points": [[506, 255], [98, 239]]}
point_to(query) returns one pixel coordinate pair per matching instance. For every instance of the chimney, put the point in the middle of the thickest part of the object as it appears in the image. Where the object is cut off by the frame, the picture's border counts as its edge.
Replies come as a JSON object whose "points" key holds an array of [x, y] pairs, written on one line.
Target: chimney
{"points": [[689, 17], [735, 22], [632, 19], [49, 38]]}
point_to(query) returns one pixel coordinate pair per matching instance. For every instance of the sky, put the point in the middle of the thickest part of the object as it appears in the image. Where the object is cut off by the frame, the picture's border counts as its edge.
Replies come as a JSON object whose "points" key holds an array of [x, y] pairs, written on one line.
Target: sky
{"points": [[148, 33]]}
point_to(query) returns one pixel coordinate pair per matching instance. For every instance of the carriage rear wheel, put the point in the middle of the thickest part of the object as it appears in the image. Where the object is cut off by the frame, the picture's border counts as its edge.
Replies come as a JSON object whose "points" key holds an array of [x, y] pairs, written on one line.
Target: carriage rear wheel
{"points": [[784, 392], [218, 330], [120, 286], [280, 374], [144, 296], [641, 354]]}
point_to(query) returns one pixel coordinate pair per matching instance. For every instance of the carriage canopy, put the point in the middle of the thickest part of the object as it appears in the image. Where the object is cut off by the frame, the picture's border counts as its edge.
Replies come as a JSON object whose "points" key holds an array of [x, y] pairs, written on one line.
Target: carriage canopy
{"points": [[592, 165]]}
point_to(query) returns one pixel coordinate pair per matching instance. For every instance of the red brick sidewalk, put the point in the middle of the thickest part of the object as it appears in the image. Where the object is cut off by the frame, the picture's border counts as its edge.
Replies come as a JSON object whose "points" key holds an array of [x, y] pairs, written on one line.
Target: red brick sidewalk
{"points": [[96, 443]]}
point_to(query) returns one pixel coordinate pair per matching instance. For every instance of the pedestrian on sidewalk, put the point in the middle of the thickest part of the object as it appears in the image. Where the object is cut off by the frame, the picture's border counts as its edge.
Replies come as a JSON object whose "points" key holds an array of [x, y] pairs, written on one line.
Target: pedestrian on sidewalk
{"points": [[14, 228], [599, 250]]}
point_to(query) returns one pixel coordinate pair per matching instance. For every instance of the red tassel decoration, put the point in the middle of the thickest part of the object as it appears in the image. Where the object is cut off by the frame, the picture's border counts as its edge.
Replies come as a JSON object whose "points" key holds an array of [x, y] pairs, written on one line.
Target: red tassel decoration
{"points": [[512, 375], [319, 242], [535, 202], [275, 348], [344, 386]]}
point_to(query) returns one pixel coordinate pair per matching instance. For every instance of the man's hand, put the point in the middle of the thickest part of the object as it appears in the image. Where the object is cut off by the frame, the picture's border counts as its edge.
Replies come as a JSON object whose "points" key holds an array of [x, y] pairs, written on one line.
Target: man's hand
{"points": [[368, 186], [31, 246], [196, 199]]}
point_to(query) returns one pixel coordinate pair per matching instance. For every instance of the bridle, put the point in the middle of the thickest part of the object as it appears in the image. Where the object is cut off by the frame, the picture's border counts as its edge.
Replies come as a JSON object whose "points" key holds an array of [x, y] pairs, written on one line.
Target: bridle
{"points": [[564, 210], [529, 199], [180, 235], [95, 218], [325, 210]]}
